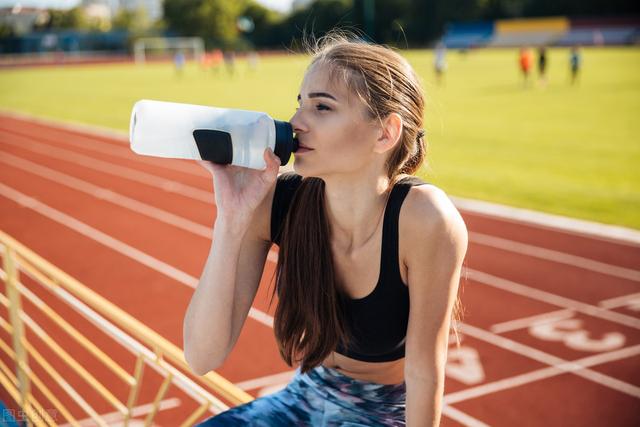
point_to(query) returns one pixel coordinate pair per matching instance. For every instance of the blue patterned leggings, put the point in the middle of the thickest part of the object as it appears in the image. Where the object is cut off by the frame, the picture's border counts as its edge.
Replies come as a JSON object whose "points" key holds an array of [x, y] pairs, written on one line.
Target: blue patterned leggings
{"points": [[322, 397]]}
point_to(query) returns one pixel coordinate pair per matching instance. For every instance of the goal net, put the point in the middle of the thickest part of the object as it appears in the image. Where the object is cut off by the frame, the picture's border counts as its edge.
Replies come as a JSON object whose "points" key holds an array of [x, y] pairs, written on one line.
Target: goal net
{"points": [[165, 47]]}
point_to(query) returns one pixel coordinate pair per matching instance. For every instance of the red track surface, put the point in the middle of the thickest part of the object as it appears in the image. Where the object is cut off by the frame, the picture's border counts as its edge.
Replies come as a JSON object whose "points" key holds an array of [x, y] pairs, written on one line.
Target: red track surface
{"points": [[502, 375]]}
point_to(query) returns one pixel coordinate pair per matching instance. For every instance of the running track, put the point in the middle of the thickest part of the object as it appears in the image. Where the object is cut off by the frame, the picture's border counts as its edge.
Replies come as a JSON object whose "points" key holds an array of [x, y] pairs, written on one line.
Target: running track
{"points": [[551, 334]]}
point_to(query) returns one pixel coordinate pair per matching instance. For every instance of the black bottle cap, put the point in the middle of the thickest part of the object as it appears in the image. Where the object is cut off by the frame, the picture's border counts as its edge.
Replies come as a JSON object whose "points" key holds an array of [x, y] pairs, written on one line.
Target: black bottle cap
{"points": [[285, 142]]}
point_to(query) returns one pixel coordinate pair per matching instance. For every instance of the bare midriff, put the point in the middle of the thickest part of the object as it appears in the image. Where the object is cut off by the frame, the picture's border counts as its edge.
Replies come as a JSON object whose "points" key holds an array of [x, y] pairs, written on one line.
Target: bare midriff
{"points": [[376, 372]]}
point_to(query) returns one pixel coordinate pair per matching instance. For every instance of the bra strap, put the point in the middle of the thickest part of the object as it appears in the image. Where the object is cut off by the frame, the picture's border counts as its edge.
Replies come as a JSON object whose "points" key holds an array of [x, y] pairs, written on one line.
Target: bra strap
{"points": [[390, 234]]}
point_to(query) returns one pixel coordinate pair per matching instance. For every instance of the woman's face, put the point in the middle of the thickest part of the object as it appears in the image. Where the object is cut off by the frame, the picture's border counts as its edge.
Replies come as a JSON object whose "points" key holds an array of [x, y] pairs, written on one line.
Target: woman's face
{"points": [[334, 124]]}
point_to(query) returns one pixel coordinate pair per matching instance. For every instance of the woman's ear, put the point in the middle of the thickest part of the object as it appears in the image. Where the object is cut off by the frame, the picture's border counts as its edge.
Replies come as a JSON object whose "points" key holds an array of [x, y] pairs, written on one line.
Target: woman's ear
{"points": [[390, 133]]}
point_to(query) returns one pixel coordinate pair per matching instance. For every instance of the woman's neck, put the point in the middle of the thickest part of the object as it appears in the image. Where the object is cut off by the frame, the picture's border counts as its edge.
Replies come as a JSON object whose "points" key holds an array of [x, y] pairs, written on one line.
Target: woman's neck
{"points": [[355, 206]]}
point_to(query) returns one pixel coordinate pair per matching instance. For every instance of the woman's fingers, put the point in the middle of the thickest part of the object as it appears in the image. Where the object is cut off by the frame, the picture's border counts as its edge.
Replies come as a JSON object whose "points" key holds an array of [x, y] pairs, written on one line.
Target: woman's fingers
{"points": [[226, 174], [273, 164]]}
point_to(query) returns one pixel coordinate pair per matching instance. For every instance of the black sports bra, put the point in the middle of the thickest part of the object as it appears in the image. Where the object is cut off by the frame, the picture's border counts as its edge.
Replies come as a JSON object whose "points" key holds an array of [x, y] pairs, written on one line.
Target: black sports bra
{"points": [[379, 320]]}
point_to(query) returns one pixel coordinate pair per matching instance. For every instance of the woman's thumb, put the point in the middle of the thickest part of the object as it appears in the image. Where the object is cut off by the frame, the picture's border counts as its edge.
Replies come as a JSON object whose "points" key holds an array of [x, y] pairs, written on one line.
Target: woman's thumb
{"points": [[271, 159]]}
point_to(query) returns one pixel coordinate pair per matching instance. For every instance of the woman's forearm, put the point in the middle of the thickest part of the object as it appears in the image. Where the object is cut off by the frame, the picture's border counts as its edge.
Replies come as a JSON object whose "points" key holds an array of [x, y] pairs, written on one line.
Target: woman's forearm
{"points": [[424, 403], [207, 322]]}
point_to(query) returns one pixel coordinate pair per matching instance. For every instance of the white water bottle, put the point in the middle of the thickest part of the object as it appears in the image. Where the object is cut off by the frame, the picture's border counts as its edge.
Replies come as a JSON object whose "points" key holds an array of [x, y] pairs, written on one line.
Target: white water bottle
{"points": [[220, 135]]}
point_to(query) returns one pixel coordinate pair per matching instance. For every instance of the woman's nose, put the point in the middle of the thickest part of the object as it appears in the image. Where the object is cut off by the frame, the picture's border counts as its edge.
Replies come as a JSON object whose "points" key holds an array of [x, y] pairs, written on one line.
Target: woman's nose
{"points": [[297, 123]]}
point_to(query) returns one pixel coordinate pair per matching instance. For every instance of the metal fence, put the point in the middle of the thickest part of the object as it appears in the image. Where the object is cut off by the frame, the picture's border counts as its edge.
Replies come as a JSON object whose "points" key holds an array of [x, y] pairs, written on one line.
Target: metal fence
{"points": [[68, 355]]}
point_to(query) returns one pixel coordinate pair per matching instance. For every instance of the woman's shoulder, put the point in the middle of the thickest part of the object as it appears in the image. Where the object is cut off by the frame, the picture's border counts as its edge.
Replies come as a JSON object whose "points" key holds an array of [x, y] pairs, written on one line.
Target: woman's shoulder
{"points": [[428, 211]]}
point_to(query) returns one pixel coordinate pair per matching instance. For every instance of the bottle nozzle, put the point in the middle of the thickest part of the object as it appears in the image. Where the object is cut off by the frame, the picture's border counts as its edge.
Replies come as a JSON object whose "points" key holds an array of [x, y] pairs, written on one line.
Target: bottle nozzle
{"points": [[285, 142]]}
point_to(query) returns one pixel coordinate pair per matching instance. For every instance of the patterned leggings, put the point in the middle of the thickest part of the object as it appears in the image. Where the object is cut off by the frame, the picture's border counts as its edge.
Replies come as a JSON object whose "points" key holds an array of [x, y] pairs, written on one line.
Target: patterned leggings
{"points": [[322, 397]]}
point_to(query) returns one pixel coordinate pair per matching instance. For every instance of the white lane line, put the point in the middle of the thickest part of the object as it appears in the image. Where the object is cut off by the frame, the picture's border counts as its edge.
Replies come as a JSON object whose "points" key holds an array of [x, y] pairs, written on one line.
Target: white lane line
{"points": [[117, 199], [268, 320], [620, 301], [579, 367], [191, 281], [558, 367], [266, 381], [549, 298], [98, 236], [555, 256], [114, 244], [107, 195], [185, 190], [112, 169], [124, 152], [615, 234], [118, 136], [120, 246], [606, 232], [201, 195], [525, 322], [137, 411], [461, 417], [261, 317]]}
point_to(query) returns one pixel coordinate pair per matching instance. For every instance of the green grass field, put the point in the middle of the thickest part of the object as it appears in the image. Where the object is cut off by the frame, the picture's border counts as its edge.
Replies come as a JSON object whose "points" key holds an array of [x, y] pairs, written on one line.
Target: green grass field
{"points": [[562, 149]]}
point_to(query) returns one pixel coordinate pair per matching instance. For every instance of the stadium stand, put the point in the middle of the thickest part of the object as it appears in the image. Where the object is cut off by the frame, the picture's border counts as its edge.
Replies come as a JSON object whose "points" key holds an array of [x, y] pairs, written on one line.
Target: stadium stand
{"points": [[535, 32], [598, 36], [556, 31], [602, 31], [463, 36]]}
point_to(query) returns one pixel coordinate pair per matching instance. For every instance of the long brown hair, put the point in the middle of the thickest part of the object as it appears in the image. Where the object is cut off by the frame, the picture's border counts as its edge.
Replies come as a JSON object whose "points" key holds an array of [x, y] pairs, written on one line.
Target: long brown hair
{"points": [[310, 319]]}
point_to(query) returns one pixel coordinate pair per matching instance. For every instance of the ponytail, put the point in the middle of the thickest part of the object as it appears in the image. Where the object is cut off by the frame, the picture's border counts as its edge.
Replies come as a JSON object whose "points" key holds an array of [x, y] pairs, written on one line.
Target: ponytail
{"points": [[310, 318]]}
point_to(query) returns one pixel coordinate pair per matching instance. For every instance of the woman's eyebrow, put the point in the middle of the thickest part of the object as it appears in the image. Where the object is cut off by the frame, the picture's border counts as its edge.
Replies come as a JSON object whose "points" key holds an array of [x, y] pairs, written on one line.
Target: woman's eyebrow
{"points": [[318, 95]]}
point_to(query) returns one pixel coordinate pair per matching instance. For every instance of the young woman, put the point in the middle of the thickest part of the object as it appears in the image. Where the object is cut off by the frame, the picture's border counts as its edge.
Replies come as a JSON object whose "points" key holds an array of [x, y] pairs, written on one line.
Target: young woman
{"points": [[369, 261]]}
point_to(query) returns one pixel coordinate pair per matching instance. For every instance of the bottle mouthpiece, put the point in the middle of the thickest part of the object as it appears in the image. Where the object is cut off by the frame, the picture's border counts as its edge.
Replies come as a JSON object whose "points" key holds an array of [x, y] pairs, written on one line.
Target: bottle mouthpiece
{"points": [[285, 142]]}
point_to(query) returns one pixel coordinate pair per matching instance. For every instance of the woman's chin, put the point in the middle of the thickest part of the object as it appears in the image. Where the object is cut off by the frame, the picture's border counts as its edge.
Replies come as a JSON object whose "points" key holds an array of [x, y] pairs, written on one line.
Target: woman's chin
{"points": [[304, 171], [299, 168]]}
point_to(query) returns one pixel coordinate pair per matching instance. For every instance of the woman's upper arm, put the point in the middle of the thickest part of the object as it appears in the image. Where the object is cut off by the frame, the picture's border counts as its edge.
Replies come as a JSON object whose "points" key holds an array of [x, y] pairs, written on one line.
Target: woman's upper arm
{"points": [[437, 245]]}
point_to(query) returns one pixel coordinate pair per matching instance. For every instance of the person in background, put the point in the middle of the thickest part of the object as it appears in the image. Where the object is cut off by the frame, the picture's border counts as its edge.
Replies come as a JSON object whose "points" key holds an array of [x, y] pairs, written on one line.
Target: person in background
{"points": [[525, 62], [440, 62], [252, 60], [178, 61], [229, 57], [542, 65], [574, 63]]}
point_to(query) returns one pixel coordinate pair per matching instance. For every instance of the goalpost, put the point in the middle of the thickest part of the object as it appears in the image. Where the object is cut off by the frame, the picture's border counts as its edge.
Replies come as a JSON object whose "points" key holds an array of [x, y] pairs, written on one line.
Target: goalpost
{"points": [[163, 45]]}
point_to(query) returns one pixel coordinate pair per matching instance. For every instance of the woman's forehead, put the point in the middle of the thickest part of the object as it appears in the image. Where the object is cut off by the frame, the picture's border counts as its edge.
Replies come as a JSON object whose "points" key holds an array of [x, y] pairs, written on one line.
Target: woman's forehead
{"points": [[324, 78]]}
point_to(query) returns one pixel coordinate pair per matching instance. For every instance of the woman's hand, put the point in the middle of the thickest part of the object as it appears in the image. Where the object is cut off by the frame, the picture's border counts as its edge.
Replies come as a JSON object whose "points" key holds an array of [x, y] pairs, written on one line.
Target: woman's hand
{"points": [[239, 190]]}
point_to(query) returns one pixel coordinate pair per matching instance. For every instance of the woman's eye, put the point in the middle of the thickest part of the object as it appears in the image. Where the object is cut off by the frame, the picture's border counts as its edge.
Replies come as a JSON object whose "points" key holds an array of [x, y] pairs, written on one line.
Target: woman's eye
{"points": [[321, 107]]}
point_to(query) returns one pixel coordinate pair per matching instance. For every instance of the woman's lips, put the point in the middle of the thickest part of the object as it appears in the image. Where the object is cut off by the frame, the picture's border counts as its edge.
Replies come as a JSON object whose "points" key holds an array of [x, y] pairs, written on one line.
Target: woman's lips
{"points": [[303, 149]]}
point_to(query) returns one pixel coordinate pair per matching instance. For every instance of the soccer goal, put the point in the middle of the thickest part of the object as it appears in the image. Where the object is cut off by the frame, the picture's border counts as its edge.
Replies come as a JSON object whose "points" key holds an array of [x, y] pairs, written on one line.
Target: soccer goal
{"points": [[162, 47]]}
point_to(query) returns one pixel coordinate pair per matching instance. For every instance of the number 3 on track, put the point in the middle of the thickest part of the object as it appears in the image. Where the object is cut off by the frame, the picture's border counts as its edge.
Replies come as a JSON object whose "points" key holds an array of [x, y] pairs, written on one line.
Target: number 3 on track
{"points": [[571, 333]]}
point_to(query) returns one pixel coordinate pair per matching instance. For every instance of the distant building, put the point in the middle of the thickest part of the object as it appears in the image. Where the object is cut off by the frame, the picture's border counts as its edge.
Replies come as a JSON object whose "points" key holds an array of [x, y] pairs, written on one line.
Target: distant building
{"points": [[22, 19]]}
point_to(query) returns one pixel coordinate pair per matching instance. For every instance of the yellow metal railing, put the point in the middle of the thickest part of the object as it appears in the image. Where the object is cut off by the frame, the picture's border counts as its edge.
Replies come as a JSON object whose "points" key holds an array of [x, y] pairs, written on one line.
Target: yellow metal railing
{"points": [[34, 345]]}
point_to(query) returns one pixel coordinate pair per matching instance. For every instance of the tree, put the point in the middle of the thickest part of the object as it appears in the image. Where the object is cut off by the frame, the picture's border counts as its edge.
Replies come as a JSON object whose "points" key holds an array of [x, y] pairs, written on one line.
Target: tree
{"points": [[74, 18], [266, 24], [213, 20], [6, 31], [136, 21], [317, 19]]}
